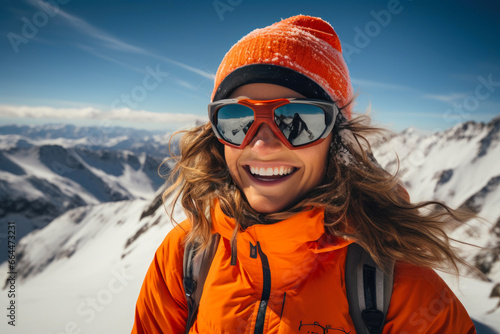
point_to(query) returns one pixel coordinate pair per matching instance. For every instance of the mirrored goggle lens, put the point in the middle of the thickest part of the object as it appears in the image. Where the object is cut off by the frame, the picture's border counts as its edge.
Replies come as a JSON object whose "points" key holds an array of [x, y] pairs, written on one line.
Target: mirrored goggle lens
{"points": [[300, 123], [233, 122]]}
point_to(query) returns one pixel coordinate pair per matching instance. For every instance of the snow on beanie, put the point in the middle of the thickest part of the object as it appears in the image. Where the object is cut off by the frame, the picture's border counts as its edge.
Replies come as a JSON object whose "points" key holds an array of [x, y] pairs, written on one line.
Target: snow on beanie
{"points": [[302, 53]]}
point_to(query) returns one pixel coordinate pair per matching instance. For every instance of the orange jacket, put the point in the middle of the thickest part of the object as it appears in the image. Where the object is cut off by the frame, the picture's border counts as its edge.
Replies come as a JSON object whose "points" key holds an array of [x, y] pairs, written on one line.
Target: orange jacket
{"points": [[289, 278]]}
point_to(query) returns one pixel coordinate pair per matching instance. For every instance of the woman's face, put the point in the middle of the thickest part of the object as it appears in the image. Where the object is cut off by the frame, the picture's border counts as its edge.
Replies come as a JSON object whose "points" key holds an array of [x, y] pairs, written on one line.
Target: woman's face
{"points": [[301, 169]]}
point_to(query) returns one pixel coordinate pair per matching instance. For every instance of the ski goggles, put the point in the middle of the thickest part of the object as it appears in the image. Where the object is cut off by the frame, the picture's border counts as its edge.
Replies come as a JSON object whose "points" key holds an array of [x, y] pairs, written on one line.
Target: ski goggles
{"points": [[298, 123]]}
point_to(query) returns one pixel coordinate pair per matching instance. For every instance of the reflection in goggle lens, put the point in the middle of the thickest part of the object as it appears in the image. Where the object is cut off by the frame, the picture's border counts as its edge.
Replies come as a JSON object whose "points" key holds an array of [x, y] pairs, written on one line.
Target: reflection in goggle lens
{"points": [[300, 123], [233, 122]]}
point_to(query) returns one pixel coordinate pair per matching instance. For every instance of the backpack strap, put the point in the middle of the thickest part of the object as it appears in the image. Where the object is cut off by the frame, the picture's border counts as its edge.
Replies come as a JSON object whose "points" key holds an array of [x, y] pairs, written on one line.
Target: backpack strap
{"points": [[368, 290], [195, 269]]}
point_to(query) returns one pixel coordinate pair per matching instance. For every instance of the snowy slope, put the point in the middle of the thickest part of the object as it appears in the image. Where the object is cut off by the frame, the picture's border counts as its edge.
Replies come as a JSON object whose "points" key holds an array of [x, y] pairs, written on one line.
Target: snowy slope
{"points": [[84, 270], [45, 171], [454, 165], [461, 167]]}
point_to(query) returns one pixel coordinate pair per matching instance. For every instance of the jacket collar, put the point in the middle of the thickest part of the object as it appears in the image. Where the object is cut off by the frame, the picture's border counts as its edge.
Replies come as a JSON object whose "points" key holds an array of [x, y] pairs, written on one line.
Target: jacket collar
{"points": [[303, 231]]}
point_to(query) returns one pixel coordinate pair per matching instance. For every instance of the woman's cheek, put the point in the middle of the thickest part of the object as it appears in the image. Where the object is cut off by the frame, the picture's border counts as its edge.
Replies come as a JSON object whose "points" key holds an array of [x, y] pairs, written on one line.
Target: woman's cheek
{"points": [[231, 156]]}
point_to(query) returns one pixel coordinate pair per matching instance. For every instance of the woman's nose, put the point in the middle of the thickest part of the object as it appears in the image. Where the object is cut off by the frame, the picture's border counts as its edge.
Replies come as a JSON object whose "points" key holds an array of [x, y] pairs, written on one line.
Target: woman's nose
{"points": [[265, 141]]}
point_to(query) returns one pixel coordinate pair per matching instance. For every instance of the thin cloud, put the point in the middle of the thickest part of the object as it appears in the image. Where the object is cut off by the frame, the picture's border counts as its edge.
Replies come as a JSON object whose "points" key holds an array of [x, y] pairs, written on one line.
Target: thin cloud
{"points": [[184, 66], [108, 41], [412, 114], [452, 97], [96, 53], [184, 84], [388, 86], [477, 116], [11, 111], [87, 29], [90, 113], [126, 114]]}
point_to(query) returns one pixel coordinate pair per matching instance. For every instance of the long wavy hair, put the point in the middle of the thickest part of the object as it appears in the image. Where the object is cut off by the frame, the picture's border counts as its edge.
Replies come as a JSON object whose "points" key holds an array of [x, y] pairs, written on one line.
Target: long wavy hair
{"points": [[362, 201]]}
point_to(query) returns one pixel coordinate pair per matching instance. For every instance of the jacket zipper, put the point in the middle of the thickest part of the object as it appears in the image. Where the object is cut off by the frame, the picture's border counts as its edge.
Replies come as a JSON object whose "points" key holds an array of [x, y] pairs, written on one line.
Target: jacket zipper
{"points": [[283, 307], [266, 292]]}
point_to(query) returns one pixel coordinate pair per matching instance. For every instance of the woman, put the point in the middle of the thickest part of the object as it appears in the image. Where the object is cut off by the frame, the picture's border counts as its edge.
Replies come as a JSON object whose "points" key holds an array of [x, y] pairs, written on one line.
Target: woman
{"points": [[287, 208]]}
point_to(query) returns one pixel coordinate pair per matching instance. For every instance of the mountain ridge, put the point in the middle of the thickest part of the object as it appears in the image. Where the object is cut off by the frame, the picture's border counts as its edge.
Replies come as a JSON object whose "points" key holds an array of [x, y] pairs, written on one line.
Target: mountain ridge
{"points": [[42, 178]]}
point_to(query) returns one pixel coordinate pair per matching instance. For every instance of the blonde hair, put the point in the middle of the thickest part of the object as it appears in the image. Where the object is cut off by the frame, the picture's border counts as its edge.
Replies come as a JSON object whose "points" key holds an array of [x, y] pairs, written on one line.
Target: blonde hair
{"points": [[361, 200]]}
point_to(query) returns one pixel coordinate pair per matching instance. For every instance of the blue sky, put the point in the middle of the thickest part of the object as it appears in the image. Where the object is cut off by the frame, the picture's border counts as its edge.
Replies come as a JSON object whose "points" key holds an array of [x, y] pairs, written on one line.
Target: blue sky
{"points": [[150, 64]]}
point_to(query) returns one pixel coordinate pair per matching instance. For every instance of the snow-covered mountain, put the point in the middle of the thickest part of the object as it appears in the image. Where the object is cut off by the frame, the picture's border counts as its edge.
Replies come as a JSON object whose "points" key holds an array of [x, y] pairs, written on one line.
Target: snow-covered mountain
{"points": [[47, 170], [135, 140], [83, 271], [460, 167]]}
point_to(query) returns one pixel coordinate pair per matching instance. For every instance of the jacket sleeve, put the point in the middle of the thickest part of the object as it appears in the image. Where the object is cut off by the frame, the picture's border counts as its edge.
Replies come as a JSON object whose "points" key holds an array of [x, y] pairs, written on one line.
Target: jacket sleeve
{"points": [[422, 303], [161, 306]]}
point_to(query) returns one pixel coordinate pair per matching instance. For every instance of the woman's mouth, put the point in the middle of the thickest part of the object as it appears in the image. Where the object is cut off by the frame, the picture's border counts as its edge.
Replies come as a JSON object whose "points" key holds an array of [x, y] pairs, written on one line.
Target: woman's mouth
{"points": [[269, 174]]}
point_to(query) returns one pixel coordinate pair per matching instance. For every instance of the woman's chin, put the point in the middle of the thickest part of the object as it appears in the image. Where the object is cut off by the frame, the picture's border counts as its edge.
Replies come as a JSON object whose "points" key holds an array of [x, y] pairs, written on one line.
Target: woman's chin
{"points": [[266, 206]]}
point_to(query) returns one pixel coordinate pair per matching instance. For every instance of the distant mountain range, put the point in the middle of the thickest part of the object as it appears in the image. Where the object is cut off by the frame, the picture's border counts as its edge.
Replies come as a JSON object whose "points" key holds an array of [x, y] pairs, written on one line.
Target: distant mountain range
{"points": [[110, 217], [48, 170]]}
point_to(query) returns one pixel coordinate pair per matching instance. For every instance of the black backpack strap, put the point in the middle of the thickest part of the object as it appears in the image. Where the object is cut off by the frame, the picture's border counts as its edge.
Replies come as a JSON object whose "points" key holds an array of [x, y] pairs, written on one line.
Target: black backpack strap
{"points": [[368, 290], [195, 270]]}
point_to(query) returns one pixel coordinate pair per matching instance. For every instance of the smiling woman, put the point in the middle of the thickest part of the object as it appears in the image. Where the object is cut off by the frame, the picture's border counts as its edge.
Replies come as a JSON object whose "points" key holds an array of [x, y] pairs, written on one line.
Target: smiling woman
{"points": [[276, 188]]}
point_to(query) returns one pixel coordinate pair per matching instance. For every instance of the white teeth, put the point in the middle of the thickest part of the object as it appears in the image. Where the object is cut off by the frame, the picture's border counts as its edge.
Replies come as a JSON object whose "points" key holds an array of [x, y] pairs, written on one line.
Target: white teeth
{"points": [[270, 171]]}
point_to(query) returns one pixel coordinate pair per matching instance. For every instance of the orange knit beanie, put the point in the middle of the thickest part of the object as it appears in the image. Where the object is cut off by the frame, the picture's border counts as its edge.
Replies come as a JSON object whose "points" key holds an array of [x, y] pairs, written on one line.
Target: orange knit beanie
{"points": [[302, 53]]}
